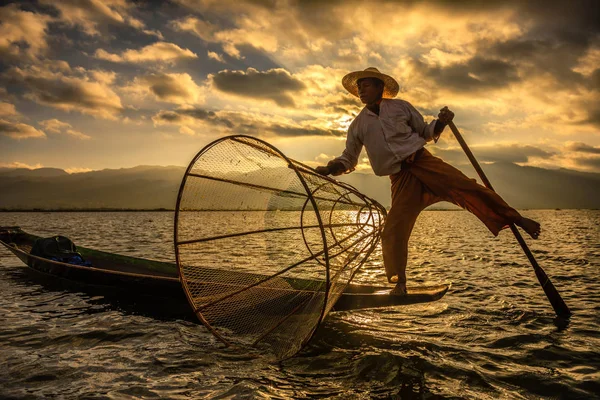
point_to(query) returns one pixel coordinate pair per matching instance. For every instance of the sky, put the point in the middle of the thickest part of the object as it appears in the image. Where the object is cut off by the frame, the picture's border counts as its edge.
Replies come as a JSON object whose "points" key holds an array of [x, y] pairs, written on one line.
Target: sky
{"points": [[90, 84]]}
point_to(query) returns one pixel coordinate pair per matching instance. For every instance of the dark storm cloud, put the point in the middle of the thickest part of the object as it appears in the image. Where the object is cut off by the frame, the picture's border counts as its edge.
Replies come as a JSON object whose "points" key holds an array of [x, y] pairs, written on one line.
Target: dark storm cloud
{"points": [[260, 129], [477, 73], [177, 116], [594, 115], [500, 153], [559, 15], [573, 21], [290, 131], [241, 123], [275, 84], [557, 34], [67, 92], [175, 88], [264, 127], [533, 57], [584, 148], [589, 162], [164, 90], [595, 79]]}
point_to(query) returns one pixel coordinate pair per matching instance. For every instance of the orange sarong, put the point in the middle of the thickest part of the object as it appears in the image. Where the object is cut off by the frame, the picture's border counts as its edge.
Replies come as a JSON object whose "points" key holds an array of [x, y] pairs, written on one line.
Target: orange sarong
{"points": [[425, 180]]}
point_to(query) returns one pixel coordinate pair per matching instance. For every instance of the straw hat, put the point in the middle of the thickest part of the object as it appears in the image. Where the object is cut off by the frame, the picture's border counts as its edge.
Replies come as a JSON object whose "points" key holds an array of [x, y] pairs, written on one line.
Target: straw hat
{"points": [[390, 89]]}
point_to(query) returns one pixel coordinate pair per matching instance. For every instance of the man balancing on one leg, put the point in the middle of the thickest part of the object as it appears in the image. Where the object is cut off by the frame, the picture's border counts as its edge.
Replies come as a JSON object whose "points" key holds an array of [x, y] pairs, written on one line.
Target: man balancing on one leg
{"points": [[394, 133]]}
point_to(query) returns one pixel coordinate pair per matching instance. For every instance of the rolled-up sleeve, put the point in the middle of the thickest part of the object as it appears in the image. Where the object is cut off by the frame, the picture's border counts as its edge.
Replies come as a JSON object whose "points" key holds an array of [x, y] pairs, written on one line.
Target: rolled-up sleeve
{"points": [[349, 157], [425, 130]]}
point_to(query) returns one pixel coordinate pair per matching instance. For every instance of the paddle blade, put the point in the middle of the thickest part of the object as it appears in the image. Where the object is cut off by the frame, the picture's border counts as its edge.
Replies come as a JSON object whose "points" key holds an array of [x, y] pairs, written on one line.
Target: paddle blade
{"points": [[560, 307]]}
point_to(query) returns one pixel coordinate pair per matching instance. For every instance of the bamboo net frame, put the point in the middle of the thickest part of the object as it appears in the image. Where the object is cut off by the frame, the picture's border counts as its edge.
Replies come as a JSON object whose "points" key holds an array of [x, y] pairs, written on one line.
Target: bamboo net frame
{"points": [[265, 246]]}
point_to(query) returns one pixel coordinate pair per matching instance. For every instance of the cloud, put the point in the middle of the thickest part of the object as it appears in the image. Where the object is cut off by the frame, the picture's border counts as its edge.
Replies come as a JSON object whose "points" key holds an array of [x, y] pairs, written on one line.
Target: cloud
{"points": [[105, 77], [272, 127], [56, 126], [17, 130], [77, 170], [323, 158], [214, 56], [338, 33], [588, 63], [582, 156], [22, 33], [275, 84], [498, 58], [495, 57], [583, 148], [185, 130], [78, 91], [189, 116], [595, 79], [254, 35], [172, 88], [77, 134], [201, 28], [255, 124], [299, 130], [18, 164], [95, 16], [508, 153], [164, 52], [594, 114], [7, 110], [475, 74], [514, 72], [592, 163]]}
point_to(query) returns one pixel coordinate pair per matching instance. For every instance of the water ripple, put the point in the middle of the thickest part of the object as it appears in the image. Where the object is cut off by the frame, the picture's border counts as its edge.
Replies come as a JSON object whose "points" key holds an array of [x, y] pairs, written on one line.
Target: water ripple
{"points": [[492, 336]]}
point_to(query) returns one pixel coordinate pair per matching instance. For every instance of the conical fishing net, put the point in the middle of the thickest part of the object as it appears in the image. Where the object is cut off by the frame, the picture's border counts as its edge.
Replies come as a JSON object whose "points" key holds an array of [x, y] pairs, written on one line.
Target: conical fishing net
{"points": [[265, 246]]}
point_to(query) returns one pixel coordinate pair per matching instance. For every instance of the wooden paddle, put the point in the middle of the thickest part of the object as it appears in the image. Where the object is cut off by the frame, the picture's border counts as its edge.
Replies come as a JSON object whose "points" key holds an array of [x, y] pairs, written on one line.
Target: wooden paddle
{"points": [[557, 302]]}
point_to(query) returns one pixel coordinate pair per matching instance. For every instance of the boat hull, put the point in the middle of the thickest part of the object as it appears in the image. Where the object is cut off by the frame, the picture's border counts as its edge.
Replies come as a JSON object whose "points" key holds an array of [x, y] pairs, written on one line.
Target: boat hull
{"points": [[150, 280]]}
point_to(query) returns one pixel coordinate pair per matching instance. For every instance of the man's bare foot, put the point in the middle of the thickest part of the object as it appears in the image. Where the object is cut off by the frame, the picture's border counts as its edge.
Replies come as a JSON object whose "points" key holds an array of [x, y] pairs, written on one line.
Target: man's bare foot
{"points": [[399, 289], [530, 226]]}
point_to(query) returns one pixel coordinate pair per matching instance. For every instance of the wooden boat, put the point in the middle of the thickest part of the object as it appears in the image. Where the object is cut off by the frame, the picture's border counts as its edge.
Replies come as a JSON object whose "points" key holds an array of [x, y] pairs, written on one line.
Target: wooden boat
{"points": [[151, 279]]}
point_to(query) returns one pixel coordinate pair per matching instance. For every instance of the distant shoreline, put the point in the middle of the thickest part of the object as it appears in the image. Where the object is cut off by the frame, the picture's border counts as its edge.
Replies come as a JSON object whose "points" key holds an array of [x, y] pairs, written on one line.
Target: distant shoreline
{"points": [[58, 210]]}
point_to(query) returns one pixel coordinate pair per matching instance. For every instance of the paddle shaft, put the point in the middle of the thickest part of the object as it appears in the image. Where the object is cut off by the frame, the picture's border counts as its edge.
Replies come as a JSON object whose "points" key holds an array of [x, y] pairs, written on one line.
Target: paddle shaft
{"points": [[554, 297]]}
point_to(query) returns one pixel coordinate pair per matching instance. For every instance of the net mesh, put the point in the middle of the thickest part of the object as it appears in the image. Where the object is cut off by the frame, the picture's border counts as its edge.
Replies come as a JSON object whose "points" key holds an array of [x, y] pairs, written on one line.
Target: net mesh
{"points": [[265, 246]]}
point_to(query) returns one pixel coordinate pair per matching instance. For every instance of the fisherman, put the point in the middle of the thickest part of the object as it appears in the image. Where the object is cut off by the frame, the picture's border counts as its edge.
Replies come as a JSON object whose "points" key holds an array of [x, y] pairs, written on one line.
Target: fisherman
{"points": [[394, 135]]}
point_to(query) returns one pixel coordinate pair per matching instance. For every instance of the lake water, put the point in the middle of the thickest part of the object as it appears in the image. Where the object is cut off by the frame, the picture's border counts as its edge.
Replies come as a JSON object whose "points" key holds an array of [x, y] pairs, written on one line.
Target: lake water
{"points": [[494, 334]]}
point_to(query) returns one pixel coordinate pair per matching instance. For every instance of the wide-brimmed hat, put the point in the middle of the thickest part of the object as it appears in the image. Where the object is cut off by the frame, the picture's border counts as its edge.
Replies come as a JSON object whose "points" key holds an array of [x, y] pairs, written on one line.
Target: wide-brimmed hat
{"points": [[390, 89]]}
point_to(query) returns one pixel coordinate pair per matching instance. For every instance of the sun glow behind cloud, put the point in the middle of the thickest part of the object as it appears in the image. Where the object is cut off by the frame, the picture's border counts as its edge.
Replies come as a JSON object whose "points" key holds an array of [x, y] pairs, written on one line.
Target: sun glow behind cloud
{"points": [[522, 77]]}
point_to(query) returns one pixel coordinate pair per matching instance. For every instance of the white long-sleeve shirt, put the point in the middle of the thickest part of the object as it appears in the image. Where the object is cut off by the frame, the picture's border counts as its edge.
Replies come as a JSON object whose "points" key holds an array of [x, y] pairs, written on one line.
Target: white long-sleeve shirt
{"points": [[390, 137]]}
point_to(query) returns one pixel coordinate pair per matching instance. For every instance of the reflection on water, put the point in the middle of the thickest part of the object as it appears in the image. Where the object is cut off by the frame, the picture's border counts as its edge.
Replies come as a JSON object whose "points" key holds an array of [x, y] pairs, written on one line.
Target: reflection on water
{"points": [[493, 336]]}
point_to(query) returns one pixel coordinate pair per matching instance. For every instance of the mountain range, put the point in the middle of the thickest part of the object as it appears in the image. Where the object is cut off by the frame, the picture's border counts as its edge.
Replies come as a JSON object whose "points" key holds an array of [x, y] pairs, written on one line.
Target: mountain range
{"points": [[156, 187]]}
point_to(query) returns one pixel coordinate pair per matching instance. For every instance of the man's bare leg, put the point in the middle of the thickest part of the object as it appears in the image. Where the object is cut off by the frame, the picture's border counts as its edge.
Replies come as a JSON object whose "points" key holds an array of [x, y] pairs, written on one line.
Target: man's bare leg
{"points": [[530, 226]]}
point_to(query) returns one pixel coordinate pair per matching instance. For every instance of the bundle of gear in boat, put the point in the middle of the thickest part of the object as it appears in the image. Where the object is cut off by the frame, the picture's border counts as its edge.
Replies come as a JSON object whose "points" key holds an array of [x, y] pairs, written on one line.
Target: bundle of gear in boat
{"points": [[58, 248]]}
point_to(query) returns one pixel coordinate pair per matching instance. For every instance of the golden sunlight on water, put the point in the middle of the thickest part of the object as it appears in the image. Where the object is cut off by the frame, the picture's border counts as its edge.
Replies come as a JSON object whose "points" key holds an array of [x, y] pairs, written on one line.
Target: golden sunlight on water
{"points": [[493, 334]]}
